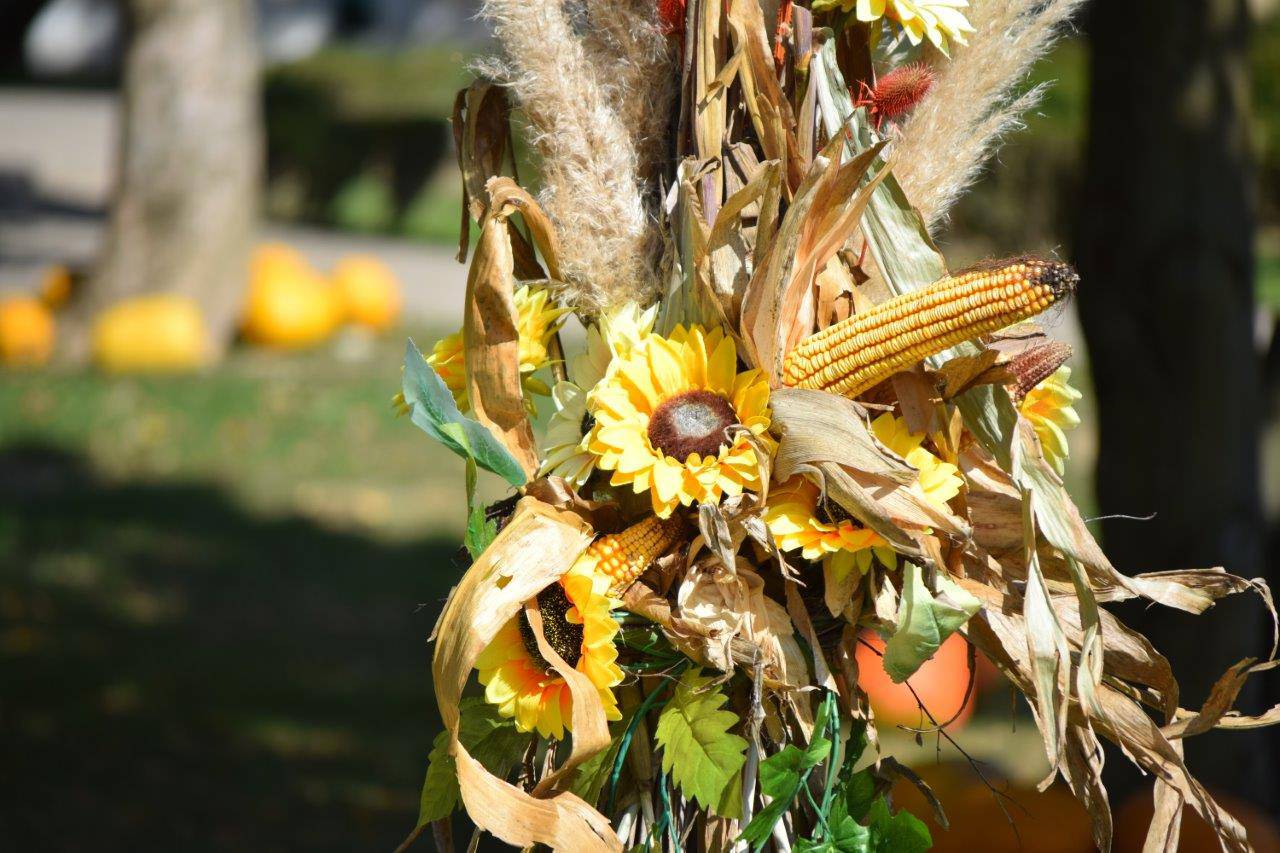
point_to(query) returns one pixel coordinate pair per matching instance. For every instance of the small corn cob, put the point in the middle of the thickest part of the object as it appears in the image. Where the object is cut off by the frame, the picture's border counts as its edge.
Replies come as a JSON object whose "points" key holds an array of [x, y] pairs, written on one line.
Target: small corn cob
{"points": [[1028, 369], [858, 353], [625, 556]]}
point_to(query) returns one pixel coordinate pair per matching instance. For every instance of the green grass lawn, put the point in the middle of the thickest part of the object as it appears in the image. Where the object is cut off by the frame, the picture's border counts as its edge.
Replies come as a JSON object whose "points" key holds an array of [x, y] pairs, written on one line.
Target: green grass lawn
{"points": [[215, 593]]}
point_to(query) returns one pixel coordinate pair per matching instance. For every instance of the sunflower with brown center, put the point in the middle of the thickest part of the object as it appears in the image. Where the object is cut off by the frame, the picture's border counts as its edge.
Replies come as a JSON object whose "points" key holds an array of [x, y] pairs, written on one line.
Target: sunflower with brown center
{"points": [[577, 623], [675, 418]]}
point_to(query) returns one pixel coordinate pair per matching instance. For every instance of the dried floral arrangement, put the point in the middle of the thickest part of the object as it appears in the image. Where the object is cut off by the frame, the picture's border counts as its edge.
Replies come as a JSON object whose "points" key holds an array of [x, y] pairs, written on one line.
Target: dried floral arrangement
{"points": [[788, 423]]}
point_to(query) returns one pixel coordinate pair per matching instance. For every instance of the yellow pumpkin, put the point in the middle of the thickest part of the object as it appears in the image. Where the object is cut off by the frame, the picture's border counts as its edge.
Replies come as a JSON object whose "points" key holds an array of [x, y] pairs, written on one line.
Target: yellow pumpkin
{"points": [[368, 290], [26, 331], [158, 333], [289, 304], [270, 259]]}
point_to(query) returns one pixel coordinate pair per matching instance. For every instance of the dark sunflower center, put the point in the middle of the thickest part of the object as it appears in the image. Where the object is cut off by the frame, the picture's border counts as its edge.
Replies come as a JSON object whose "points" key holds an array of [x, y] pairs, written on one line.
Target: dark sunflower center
{"points": [[692, 422], [563, 636], [829, 512]]}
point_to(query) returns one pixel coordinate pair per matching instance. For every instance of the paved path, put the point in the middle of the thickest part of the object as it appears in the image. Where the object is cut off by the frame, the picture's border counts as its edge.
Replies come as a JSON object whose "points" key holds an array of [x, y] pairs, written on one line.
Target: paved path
{"points": [[57, 151]]}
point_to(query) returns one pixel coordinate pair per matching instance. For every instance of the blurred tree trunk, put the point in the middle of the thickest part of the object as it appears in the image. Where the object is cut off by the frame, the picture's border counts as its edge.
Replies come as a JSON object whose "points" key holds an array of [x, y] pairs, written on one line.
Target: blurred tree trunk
{"points": [[185, 204], [1165, 252]]}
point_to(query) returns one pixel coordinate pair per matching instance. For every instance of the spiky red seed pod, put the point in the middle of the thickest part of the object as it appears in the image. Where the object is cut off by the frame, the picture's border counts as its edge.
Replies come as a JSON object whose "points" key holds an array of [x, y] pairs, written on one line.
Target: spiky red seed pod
{"points": [[671, 16], [898, 91]]}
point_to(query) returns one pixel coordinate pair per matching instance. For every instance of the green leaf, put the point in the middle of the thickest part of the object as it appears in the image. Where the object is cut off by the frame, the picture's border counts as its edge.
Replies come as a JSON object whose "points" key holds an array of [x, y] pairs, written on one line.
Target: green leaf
{"points": [[859, 789], [757, 832], [490, 738], [846, 836], [924, 622], [432, 409], [440, 789], [899, 833], [480, 532], [782, 775], [730, 805], [594, 773], [698, 751]]}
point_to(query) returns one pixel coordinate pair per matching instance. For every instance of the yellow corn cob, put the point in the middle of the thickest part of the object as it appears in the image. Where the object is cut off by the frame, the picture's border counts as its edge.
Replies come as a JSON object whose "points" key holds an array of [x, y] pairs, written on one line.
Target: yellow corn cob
{"points": [[853, 355], [625, 556]]}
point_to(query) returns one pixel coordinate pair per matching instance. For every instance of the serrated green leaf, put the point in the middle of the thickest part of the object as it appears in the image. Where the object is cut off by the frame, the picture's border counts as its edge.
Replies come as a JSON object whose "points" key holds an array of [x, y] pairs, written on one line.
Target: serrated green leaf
{"points": [[490, 738], [899, 833], [924, 621], [433, 411], [698, 750], [480, 532]]}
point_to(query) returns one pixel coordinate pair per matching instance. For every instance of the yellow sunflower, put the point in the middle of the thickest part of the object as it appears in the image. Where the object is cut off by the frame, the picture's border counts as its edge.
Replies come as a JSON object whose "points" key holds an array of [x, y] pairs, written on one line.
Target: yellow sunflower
{"points": [[614, 335], [576, 622], [936, 20], [938, 481], [538, 321], [664, 416], [1049, 408], [801, 519]]}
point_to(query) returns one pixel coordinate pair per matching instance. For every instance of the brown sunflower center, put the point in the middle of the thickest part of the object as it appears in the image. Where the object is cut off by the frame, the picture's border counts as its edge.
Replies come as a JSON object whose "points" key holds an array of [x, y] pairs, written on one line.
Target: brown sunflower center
{"points": [[563, 636], [692, 422], [829, 512]]}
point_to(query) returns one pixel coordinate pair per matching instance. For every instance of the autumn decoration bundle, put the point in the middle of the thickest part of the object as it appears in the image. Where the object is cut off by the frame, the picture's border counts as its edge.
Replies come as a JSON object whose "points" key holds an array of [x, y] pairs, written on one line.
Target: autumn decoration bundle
{"points": [[747, 415]]}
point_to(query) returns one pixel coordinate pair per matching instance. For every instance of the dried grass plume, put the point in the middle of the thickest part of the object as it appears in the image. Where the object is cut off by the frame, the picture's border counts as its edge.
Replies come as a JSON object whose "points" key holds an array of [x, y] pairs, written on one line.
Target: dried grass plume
{"points": [[973, 104], [594, 82]]}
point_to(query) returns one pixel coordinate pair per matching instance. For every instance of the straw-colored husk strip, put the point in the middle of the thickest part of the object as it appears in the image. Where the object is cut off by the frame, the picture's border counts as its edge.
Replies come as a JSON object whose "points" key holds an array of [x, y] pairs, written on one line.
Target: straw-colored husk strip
{"points": [[596, 99], [538, 546], [973, 103]]}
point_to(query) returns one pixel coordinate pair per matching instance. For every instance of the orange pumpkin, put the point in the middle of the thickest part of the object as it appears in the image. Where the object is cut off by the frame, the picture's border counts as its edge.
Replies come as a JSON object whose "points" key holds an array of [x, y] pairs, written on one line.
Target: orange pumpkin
{"points": [[1049, 822], [368, 290], [158, 333], [289, 304], [26, 331], [940, 684]]}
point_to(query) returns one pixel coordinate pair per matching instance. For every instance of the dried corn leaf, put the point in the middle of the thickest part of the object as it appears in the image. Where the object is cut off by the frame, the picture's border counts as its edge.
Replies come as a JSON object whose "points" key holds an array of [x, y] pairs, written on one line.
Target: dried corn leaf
{"points": [[1000, 634], [836, 292], [1222, 696], [507, 196], [1082, 769], [725, 606], [768, 105], [1047, 649], [814, 426], [536, 547], [730, 258], [773, 318], [491, 339]]}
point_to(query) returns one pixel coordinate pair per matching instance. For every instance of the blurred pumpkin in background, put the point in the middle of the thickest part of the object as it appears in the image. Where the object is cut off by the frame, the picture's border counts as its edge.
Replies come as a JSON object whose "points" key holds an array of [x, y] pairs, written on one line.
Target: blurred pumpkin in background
{"points": [[270, 259], [1029, 822], [160, 333], [940, 684], [1134, 817], [368, 290], [289, 304], [26, 331]]}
